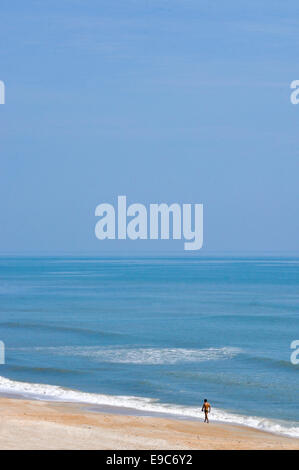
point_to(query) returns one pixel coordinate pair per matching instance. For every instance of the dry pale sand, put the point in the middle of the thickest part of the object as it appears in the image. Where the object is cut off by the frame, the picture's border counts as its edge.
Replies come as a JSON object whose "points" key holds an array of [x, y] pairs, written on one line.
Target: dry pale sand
{"points": [[44, 425]]}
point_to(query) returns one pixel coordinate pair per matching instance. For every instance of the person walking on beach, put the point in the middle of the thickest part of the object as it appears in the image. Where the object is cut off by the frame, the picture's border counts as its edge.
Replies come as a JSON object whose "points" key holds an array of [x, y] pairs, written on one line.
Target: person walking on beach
{"points": [[206, 407]]}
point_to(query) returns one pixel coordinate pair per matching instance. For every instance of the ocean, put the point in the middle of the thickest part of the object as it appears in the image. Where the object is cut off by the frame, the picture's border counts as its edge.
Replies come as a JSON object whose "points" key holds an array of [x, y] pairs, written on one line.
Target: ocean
{"points": [[156, 334]]}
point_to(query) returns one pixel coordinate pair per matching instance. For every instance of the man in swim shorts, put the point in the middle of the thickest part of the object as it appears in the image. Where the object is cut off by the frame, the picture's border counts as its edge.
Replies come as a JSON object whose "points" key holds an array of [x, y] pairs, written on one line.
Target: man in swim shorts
{"points": [[206, 407]]}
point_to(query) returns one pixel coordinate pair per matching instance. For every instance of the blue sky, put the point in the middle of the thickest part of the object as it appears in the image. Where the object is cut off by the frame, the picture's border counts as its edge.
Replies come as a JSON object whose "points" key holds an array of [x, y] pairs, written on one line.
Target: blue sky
{"points": [[163, 101]]}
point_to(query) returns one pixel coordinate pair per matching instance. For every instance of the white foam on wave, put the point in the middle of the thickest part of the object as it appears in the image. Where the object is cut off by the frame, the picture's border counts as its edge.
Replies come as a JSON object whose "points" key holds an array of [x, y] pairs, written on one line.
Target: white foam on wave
{"points": [[146, 405], [144, 356]]}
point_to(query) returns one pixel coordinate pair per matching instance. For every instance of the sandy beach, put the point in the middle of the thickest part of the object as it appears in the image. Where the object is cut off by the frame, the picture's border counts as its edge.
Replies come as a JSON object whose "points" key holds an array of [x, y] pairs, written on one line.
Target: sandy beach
{"points": [[28, 424]]}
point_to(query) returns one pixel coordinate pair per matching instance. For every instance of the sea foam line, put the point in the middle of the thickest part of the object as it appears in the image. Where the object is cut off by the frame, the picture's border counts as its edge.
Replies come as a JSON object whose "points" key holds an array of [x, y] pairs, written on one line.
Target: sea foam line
{"points": [[141, 356], [147, 405]]}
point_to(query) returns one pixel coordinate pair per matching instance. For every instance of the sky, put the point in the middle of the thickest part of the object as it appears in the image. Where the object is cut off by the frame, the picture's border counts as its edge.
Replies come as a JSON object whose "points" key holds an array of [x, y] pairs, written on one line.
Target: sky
{"points": [[183, 101]]}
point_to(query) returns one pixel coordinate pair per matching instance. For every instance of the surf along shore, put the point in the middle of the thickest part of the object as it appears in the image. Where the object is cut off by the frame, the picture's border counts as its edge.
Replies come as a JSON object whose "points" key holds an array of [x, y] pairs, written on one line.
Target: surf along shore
{"points": [[26, 424]]}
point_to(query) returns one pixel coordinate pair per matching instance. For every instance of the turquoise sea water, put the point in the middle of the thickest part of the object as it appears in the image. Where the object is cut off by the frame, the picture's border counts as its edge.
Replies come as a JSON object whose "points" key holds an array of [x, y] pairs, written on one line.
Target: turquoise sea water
{"points": [[155, 334]]}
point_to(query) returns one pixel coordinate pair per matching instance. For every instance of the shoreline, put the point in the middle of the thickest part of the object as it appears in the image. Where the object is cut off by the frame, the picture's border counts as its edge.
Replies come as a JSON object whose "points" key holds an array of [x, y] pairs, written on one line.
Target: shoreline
{"points": [[138, 406], [34, 424]]}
